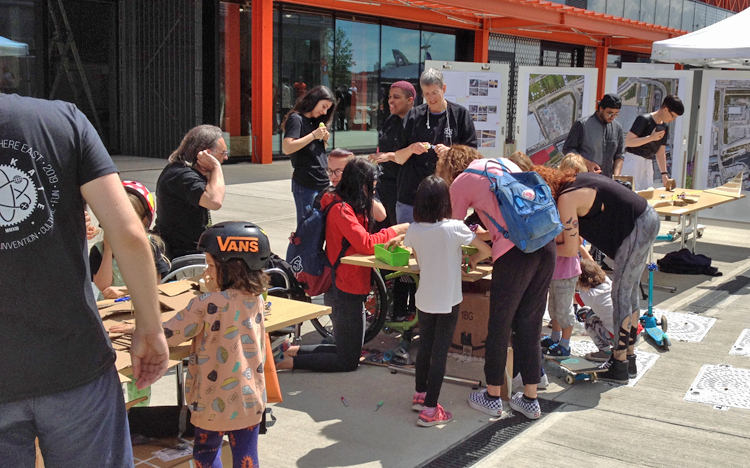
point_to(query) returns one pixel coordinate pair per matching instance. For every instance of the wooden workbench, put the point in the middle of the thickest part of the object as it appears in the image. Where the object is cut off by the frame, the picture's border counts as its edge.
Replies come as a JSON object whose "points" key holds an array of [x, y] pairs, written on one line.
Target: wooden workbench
{"points": [[369, 261]]}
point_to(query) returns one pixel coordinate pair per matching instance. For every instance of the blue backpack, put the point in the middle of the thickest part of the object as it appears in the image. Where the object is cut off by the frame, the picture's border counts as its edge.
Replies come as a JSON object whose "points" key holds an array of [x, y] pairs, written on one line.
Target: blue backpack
{"points": [[527, 206], [306, 252]]}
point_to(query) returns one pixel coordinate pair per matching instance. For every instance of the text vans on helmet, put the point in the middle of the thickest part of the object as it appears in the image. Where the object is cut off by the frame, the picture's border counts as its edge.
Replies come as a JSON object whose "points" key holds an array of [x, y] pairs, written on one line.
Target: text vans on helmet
{"points": [[146, 197], [237, 239]]}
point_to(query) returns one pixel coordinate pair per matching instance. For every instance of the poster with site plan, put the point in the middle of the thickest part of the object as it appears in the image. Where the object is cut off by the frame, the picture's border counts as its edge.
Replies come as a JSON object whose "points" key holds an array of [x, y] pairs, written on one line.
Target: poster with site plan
{"points": [[642, 92], [723, 149], [550, 100], [483, 90]]}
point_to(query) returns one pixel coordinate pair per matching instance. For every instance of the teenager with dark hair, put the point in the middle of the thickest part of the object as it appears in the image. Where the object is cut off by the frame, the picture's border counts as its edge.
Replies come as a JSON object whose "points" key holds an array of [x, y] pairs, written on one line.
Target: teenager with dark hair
{"points": [[622, 225], [647, 140], [305, 140], [348, 226], [436, 240]]}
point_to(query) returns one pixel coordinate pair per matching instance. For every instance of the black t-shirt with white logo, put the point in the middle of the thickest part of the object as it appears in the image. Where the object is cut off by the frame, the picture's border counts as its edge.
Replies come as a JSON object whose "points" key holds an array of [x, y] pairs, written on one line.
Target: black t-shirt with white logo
{"points": [[53, 338], [180, 219], [452, 127], [643, 126]]}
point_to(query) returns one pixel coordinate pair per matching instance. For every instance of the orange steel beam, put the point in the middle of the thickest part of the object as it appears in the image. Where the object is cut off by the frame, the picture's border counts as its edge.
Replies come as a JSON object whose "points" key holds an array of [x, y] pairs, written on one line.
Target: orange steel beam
{"points": [[262, 81], [393, 11], [482, 44], [572, 18], [232, 99], [497, 24], [601, 65], [731, 5]]}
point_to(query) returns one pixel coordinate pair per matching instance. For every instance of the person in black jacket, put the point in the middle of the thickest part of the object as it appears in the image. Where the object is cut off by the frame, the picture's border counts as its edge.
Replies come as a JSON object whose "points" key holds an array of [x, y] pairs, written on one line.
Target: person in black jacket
{"points": [[429, 131]]}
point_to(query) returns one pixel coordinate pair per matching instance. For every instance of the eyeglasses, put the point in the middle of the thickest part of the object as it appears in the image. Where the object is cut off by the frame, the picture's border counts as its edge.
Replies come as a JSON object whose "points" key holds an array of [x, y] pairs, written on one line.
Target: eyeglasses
{"points": [[334, 172], [610, 115], [674, 116], [223, 153]]}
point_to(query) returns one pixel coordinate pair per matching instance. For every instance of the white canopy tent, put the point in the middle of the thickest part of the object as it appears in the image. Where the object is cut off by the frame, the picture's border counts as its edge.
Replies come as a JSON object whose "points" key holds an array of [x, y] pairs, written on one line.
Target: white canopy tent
{"points": [[725, 44], [12, 48]]}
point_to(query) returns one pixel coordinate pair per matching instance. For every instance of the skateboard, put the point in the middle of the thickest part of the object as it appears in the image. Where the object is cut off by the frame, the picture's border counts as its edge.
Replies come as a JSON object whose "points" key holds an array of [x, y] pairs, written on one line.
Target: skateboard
{"points": [[578, 368]]}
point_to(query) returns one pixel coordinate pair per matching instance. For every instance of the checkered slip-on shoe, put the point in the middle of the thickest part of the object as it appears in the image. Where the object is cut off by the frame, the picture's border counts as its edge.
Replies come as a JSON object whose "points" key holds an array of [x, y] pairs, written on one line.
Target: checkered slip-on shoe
{"points": [[531, 410], [479, 401], [417, 401]]}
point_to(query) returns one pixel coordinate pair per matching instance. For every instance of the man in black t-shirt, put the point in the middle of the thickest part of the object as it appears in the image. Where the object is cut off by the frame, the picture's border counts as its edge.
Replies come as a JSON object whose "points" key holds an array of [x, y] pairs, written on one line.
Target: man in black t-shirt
{"points": [[429, 131], [59, 381], [190, 185], [647, 140], [400, 102]]}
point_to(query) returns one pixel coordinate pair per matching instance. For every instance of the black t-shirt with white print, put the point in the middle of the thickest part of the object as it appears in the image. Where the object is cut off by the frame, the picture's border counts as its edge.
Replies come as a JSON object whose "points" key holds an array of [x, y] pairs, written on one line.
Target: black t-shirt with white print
{"points": [[53, 338]]}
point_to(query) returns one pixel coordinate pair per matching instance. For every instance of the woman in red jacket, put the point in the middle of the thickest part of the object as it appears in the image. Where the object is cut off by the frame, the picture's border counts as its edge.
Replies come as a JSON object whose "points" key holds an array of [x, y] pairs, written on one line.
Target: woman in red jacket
{"points": [[349, 222]]}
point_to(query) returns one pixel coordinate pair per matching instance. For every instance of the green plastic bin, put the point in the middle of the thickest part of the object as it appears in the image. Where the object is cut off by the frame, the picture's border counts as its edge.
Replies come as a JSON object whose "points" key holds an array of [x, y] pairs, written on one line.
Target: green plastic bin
{"points": [[398, 257]]}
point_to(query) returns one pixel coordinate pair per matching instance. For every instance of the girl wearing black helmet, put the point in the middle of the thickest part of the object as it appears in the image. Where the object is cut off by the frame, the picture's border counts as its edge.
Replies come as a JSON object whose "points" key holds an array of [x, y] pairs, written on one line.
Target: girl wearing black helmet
{"points": [[225, 384], [348, 221]]}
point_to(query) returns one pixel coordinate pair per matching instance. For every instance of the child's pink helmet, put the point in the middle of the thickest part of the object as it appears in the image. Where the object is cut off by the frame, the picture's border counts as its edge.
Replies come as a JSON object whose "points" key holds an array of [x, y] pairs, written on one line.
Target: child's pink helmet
{"points": [[146, 197]]}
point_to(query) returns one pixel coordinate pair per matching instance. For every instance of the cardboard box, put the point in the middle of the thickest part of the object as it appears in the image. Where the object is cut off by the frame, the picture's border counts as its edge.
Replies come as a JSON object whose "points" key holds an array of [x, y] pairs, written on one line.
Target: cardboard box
{"points": [[146, 455], [471, 329]]}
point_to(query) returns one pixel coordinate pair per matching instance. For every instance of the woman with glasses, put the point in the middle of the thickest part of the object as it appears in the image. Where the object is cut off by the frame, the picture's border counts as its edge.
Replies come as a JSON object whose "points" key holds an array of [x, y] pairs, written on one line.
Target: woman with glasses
{"points": [[305, 140], [429, 131], [188, 187], [348, 226]]}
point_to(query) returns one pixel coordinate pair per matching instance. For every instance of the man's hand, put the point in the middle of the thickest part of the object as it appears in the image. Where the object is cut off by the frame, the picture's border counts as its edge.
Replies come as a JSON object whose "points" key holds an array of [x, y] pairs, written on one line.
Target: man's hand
{"points": [[441, 149], [91, 231], [664, 179], [657, 134], [206, 163], [394, 242], [592, 166], [150, 355], [113, 292], [419, 147]]}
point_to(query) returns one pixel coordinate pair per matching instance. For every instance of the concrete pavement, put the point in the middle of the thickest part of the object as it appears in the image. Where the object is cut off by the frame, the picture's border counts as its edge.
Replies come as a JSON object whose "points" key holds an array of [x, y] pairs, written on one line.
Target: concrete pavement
{"points": [[647, 425]]}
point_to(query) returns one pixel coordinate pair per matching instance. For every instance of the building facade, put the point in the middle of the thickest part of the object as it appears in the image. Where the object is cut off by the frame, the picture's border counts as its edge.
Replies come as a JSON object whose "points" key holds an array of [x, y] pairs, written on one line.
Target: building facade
{"points": [[145, 72]]}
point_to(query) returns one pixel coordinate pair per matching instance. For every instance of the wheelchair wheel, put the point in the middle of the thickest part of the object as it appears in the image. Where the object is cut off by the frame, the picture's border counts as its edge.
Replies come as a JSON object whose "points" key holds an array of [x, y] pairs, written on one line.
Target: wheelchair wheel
{"points": [[376, 305]]}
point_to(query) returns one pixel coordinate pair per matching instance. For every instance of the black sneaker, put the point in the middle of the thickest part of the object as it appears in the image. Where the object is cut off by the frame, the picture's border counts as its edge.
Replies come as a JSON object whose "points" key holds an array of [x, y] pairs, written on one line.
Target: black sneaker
{"points": [[617, 371], [582, 313], [632, 366]]}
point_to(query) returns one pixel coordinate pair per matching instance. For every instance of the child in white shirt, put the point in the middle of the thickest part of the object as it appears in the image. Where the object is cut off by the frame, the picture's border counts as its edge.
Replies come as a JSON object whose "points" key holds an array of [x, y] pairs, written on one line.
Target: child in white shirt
{"points": [[595, 291]]}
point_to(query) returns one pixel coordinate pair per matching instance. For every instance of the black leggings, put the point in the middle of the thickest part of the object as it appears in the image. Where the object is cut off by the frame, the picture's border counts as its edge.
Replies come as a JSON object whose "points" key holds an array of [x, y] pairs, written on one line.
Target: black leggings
{"points": [[520, 283], [347, 316], [435, 336]]}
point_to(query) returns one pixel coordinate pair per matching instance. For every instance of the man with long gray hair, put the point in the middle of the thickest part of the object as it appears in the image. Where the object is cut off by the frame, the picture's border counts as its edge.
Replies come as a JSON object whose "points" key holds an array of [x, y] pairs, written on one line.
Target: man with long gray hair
{"points": [[190, 185]]}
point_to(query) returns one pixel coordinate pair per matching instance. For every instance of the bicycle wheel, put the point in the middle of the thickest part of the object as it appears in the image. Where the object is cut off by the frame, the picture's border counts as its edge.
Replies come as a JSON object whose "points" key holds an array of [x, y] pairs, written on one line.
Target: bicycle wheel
{"points": [[376, 306]]}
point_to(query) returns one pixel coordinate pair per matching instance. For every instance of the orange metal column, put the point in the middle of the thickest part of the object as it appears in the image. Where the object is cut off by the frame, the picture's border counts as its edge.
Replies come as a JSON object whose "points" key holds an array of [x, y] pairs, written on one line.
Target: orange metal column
{"points": [[232, 98], [482, 43], [262, 81], [601, 65]]}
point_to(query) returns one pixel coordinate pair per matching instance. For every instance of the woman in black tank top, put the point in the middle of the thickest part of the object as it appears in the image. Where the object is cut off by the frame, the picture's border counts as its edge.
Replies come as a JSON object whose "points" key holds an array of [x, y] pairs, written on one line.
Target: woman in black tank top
{"points": [[624, 226]]}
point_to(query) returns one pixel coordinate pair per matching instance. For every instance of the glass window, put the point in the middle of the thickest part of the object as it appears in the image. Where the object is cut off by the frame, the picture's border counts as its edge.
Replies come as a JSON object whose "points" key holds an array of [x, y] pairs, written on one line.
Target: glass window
{"points": [[632, 9], [661, 14], [355, 73], [688, 11], [675, 13], [399, 54], [713, 15], [615, 7], [700, 16], [438, 46], [647, 10], [597, 5]]}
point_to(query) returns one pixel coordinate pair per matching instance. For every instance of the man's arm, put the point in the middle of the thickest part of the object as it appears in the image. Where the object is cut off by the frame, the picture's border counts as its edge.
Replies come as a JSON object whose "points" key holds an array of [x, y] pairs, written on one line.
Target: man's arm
{"points": [[213, 196], [619, 157], [633, 140], [661, 161], [574, 139], [132, 249]]}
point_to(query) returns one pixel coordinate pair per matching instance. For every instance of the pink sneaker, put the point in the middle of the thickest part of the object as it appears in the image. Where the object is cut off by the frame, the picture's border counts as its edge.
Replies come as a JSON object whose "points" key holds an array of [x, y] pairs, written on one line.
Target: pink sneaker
{"points": [[438, 416], [417, 401]]}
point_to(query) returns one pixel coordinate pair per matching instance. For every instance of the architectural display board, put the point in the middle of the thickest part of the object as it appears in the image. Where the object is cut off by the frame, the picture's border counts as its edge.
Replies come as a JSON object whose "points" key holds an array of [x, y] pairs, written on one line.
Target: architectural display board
{"points": [[482, 88], [550, 99], [642, 91], [723, 146]]}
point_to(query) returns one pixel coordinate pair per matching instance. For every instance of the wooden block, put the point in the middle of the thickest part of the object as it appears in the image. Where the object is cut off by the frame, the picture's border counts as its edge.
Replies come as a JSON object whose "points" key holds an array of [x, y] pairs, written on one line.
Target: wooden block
{"points": [[671, 185]]}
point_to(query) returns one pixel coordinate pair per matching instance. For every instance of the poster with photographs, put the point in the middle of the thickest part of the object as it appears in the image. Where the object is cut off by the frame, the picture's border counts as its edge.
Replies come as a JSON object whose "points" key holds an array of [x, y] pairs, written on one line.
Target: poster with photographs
{"points": [[642, 92], [723, 143], [550, 100], [483, 90]]}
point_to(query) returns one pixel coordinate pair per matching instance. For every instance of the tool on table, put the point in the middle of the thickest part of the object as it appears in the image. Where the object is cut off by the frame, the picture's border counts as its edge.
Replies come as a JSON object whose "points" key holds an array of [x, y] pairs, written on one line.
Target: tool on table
{"points": [[379, 405], [343, 400], [122, 299]]}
